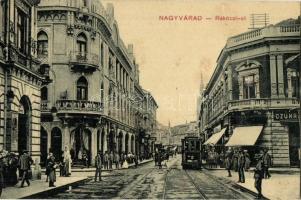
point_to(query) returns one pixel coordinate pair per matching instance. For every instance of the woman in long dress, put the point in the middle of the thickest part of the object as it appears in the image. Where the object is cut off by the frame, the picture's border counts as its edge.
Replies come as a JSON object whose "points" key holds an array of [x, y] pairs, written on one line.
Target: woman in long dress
{"points": [[67, 161]]}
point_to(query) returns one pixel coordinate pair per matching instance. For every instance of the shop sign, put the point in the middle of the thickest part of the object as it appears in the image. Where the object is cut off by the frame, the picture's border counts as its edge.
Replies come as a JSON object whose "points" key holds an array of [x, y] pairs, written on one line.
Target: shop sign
{"points": [[286, 115]]}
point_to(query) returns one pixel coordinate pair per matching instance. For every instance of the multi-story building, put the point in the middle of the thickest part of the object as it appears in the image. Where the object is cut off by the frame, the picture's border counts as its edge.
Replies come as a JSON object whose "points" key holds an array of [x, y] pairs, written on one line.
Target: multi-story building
{"points": [[254, 92], [20, 78], [89, 105]]}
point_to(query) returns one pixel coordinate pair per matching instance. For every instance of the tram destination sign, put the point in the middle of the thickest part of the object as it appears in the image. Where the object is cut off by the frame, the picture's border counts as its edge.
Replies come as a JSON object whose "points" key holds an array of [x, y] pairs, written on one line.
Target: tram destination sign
{"points": [[286, 115]]}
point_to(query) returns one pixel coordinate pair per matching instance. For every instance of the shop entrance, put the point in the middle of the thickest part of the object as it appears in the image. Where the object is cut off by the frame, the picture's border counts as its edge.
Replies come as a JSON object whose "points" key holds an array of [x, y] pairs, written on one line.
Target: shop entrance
{"points": [[294, 143]]}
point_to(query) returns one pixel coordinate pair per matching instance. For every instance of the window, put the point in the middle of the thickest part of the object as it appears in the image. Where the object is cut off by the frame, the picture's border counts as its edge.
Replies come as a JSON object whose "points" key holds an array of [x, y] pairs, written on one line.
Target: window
{"points": [[42, 44], [44, 94], [295, 86], [21, 30], [82, 45], [101, 54], [82, 89], [101, 94], [249, 87]]}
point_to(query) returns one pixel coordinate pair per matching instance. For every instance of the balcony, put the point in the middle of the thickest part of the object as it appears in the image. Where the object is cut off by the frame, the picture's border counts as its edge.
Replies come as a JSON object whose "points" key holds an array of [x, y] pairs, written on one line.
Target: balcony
{"points": [[45, 106], [79, 107], [267, 32], [250, 104], [87, 62]]}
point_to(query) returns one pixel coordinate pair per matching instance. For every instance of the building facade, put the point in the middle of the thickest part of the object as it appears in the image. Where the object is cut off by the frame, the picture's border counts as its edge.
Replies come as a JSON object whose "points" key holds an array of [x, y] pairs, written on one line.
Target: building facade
{"points": [[90, 102], [256, 83], [20, 78]]}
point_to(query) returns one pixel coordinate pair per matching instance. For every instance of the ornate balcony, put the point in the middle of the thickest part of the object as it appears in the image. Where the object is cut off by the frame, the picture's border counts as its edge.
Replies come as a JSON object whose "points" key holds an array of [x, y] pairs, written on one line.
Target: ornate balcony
{"points": [[79, 107], [45, 106], [250, 104], [83, 61]]}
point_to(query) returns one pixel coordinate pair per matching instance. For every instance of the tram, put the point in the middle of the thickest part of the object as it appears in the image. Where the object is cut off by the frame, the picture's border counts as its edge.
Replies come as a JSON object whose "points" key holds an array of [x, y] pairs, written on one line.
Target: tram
{"points": [[191, 153]]}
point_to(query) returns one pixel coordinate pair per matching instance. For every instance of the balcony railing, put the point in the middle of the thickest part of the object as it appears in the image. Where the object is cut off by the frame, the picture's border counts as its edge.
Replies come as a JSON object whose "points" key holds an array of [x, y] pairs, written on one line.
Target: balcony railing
{"points": [[45, 106], [79, 106], [263, 103], [84, 59], [270, 31]]}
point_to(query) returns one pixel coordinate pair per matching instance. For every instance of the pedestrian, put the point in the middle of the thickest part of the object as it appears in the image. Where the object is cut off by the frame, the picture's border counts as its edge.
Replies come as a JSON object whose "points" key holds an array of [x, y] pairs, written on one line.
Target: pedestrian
{"points": [[159, 160], [106, 160], [136, 160], [116, 160], [267, 162], [51, 168], [122, 158], [228, 162], [98, 166], [241, 166], [12, 169], [111, 158], [235, 160], [258, 176], [47, 171], [2, 156], [67, 161], [248, 160], [85, 159], [25, 163]]}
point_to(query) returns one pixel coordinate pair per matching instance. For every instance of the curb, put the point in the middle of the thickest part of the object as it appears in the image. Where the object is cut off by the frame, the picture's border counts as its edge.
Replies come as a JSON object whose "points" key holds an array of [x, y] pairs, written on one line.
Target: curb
{"points": [[52, 191]]}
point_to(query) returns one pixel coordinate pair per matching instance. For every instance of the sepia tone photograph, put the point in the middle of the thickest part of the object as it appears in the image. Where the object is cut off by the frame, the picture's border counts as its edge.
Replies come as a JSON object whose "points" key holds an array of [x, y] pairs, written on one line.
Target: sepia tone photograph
{"points": [[150, 99]]}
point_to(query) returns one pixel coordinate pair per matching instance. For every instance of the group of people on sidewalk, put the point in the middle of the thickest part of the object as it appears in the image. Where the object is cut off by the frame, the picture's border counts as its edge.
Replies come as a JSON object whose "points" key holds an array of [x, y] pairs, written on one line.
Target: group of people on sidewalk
{"points": [[10, 163], [239, 160]]}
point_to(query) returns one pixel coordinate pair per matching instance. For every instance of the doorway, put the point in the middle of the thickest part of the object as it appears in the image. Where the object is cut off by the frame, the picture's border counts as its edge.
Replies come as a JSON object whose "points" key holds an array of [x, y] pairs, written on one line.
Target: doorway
{"points": [[24, 126]]}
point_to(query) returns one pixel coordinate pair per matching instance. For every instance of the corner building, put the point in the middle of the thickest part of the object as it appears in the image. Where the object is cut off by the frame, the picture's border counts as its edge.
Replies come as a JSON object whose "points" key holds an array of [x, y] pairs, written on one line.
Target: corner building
{"points": [[256, 84], [20, 78], [89, 103]]}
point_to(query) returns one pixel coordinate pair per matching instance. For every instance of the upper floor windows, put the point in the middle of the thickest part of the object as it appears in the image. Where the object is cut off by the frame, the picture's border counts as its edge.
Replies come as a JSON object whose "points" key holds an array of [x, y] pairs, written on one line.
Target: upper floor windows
{"points": [[42, 44], [44, 93], [101, 93], [249, 88], [101, 54], [82, 89], [81, 43], [22, 21]]}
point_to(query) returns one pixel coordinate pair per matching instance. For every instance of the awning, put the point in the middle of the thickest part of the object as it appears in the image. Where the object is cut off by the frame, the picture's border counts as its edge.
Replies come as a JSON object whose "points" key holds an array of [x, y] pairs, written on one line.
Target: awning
{"points": [[215, 137], [244, 136]]}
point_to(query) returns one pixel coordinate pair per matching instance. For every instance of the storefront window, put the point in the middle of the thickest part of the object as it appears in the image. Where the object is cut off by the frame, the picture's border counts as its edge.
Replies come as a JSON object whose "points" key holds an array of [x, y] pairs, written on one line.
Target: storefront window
{"points": [[295, 86]]}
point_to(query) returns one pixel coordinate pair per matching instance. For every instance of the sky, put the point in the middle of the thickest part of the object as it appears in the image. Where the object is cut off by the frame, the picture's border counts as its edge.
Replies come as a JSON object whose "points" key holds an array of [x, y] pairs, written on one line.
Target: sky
{"points": [[172, 54]]}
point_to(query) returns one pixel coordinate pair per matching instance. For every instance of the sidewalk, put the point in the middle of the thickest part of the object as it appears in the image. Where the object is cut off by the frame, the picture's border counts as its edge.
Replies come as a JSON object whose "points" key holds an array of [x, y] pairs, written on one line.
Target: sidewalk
{"points": [[41, 186], [278, 187]]}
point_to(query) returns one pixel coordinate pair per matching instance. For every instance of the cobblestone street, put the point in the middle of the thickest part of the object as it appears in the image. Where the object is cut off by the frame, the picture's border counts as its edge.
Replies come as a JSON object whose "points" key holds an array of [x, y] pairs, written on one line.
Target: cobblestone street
{"points": [[149, 182]]}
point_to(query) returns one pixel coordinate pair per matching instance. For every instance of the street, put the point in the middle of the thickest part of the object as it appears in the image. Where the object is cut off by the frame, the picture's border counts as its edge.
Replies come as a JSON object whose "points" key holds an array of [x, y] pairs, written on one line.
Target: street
{"points": [[149, 182]]}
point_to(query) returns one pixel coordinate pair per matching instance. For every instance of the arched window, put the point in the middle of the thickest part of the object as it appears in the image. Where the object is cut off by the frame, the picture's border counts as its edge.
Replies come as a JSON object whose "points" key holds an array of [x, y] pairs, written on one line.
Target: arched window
{"points": [[101, 93], [101, 54], [44, 94], [81, 45], [82, 89], [42, 44]]}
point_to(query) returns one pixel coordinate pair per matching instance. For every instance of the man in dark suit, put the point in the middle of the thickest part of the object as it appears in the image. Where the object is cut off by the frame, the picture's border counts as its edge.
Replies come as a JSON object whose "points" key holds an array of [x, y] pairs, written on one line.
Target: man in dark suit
{"points": [[267, 162], [258, 175], [241, 166], [24, 163], [98, 166]]}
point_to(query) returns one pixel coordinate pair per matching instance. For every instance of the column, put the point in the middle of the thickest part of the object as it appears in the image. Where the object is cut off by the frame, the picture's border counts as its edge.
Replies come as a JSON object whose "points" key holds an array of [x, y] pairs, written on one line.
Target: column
{"points": [[257, 85], [289, 83], [240, 85], [134, 145], [105, 147], [66, 137], [280, 75], [93, 145], [273, 76], [123, 141]]}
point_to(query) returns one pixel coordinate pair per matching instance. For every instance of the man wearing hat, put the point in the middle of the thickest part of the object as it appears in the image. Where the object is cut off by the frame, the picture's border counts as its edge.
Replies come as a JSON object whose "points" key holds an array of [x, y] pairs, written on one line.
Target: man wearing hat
{"points": [[98, 166], [258, 175], [24, 163]]}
